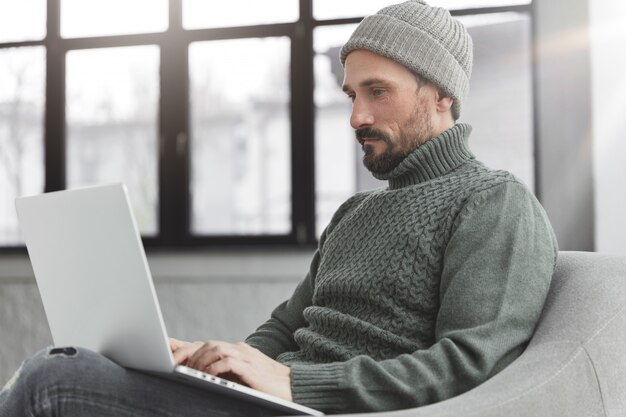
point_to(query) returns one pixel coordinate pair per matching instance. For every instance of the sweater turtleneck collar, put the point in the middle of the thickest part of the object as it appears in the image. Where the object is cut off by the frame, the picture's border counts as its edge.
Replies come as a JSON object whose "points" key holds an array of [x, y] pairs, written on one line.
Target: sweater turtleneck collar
{"points": [[432, 159]]}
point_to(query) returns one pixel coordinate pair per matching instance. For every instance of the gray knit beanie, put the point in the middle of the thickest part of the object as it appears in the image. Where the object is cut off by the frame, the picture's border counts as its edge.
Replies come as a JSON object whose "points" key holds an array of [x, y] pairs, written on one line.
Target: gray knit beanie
{"points": [[425, 39]]}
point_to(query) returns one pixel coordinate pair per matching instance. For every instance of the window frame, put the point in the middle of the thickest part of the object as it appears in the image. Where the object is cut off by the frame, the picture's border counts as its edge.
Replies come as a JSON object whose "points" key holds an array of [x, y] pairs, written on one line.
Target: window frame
{"points": [[174, 123]]}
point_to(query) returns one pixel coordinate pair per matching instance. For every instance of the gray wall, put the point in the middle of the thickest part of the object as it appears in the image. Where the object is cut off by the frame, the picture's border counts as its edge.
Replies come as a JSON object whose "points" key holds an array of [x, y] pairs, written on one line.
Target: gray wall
{"points": [[222, 296], [608, 40], [564, 120]]}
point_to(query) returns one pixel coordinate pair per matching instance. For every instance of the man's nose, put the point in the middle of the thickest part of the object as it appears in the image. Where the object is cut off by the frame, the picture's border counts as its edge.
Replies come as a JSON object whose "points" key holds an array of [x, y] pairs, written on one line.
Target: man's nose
{"points": [[361, 115]]}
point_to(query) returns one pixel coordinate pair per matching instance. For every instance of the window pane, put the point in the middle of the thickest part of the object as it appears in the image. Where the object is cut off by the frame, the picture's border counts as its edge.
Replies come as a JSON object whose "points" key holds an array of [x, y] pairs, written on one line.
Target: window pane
{"points": [[500, 102], [200, 14], [22, 20], [332, 9], [240, 176], [499, 108], [339, 172], [112, 107], [21, 132], [80, 18], [471, 4]]}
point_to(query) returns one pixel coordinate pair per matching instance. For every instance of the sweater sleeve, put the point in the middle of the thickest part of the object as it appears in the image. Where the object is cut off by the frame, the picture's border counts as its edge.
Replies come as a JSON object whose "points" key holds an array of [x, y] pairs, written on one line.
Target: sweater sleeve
{"points": [[498, 264]]}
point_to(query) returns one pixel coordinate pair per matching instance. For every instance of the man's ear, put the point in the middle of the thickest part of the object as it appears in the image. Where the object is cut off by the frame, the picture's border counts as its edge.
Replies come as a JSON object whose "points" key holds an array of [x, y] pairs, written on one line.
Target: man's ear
{"points": [[443, 102]]}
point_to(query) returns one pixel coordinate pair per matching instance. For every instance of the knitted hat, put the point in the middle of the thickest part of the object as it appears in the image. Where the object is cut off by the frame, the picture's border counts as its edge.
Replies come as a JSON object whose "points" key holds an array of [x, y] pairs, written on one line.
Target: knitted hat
{"points": [[425, 39]]}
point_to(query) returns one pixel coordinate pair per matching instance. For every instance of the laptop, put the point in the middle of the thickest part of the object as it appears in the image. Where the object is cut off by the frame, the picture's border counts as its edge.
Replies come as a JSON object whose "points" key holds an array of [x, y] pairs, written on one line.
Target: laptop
{"points": [[97, 290]]}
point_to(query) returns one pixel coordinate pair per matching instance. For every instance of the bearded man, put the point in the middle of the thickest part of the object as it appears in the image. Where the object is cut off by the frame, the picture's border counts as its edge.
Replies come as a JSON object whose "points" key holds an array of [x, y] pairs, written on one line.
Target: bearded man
{"points": [[417, 292]]}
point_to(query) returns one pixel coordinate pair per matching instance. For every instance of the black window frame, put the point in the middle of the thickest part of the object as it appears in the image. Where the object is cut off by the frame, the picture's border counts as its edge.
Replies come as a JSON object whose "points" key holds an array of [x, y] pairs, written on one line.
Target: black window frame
{"points": [[174, 202]]}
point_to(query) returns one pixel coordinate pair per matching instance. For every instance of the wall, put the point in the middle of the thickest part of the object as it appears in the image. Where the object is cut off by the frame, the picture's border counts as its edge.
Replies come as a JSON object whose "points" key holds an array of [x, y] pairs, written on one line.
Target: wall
{"points": [[608, 38], [223, 296], [563, 118]]}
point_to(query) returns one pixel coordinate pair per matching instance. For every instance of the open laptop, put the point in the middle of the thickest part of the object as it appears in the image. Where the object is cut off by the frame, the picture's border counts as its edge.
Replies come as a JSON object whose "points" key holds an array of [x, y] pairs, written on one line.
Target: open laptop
{"points": [[97, 290]]}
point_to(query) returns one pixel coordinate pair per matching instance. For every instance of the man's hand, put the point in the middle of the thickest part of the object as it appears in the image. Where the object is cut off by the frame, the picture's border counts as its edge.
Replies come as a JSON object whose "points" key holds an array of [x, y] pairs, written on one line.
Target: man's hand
{"points": [[239, 362], [182, 351]]}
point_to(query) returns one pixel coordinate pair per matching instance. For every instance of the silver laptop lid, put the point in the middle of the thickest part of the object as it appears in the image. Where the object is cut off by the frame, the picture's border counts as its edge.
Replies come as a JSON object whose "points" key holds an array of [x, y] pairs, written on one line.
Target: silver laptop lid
{"points": [[93, 275]]}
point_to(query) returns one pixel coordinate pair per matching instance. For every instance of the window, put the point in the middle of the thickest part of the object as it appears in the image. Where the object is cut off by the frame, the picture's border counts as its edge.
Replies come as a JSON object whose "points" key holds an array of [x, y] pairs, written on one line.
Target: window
{"points": [[202, 14], [501, 90], [225, 120], [332, 9], [81, 18], [240, 128], [21, 131], [22, 20], [111, 123]]}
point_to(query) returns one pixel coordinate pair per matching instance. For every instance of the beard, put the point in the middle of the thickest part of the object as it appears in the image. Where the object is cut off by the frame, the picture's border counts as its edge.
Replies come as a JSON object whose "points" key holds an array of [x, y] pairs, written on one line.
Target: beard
{"points": [[417, 130]]}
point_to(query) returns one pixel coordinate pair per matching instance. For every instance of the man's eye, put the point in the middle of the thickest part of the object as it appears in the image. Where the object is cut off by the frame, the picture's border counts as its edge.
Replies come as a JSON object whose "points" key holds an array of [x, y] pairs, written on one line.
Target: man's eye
{"points": [[351, 97], [378, 92]]}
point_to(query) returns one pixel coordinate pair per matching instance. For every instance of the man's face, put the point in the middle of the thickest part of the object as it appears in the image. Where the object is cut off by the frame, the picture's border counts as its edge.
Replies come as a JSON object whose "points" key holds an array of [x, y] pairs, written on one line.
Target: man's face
{"points": [[391, 113]]}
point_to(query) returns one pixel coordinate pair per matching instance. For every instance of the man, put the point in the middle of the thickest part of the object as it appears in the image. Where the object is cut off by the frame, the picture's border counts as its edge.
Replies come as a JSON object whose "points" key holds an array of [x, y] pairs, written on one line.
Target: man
{"points": [[417, 292]]}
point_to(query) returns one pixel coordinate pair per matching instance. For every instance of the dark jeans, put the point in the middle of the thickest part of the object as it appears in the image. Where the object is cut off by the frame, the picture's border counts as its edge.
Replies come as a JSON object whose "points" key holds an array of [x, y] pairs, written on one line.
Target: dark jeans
{"points": [[77, 382]]}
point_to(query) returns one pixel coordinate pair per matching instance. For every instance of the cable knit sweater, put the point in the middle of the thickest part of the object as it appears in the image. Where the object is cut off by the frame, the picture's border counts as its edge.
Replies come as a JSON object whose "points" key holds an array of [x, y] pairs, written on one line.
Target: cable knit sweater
{"points": [[417, 292]]}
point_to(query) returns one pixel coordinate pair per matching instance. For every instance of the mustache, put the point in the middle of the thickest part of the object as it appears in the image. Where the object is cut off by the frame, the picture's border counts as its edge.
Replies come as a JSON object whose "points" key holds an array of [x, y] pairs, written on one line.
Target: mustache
{"points": [[371, 133]]}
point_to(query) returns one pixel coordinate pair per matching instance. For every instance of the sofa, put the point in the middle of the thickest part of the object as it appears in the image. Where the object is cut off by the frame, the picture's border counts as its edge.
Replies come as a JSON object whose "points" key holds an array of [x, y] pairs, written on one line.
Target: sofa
{"points": [[575, 363]]}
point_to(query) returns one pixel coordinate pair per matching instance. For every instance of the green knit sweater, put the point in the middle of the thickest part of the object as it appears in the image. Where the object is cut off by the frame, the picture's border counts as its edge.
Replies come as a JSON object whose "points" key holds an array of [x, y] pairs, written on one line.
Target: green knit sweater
{"points": [[417, 292]]}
